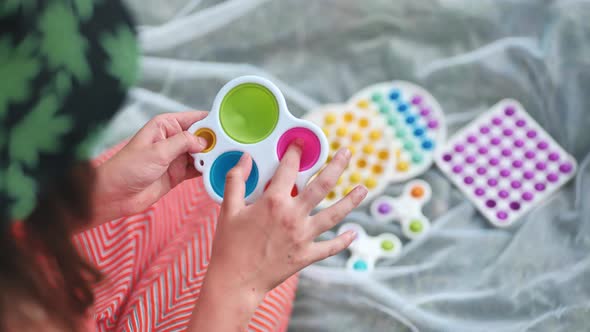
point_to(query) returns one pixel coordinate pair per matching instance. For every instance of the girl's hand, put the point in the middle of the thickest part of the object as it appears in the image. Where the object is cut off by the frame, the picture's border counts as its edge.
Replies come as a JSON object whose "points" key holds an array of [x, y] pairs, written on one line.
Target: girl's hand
{"points": [[259, 246], [154, 161]]}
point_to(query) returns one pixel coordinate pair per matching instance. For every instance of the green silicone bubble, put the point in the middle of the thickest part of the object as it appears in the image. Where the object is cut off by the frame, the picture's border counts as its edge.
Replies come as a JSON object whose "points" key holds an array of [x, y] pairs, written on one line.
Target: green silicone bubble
{"points": [[387, 245], [416, 226], [376, 97], [249, 113]]}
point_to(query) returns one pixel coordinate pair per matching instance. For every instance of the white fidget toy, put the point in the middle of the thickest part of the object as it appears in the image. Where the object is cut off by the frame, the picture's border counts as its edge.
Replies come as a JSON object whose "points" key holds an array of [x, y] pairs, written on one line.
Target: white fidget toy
{"points": [[366, 250], [250, 115], [392, 129], [505, 163], [406, 208]]}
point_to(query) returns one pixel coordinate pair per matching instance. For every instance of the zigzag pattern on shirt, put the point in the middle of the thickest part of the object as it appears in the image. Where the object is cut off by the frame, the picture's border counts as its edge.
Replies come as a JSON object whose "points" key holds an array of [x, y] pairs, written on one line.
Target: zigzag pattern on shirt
{"points": [[155, 262]]}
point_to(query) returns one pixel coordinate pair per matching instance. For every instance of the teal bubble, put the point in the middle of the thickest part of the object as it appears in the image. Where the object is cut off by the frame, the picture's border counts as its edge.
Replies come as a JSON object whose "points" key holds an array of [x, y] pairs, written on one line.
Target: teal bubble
{"points": [[408, 146], [360, 265], [383, 109], [400, 133], [417, 158], [376, 97], [392, 120]]}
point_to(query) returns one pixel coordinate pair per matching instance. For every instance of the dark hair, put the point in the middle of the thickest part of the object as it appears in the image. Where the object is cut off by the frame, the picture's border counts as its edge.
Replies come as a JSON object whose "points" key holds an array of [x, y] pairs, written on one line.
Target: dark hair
{"points": [[41, 272]]}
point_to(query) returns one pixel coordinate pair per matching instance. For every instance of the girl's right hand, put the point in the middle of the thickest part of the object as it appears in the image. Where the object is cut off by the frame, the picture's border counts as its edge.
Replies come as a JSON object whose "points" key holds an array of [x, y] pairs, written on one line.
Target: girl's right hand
{"points": [[257, 247]]}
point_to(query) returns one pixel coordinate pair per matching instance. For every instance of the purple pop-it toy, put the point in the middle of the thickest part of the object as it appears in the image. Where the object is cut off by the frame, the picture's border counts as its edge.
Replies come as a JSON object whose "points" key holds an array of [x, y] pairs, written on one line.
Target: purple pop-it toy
{"points": [[505, 163]]}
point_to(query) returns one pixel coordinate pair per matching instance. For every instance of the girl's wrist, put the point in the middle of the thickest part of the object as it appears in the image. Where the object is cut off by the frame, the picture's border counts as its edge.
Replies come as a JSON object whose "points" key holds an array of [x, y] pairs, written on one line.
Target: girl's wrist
{"points": [[223, 304]]}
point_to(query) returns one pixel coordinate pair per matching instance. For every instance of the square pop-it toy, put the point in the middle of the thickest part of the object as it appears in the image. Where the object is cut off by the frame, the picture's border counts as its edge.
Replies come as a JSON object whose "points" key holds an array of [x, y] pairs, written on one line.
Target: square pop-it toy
{"points": [[392, 129], [505, 163], [250, 114]]}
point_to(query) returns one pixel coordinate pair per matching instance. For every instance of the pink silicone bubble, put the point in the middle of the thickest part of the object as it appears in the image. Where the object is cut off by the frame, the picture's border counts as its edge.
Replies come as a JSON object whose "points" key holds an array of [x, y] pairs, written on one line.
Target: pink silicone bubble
{"points": [[311, 146]]}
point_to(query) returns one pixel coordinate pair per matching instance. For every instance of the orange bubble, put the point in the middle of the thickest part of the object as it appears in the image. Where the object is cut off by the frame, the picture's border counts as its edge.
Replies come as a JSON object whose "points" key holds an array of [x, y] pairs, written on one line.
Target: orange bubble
{"points": [[417, 192], [348, 117], [364, 122], [361, 163]]}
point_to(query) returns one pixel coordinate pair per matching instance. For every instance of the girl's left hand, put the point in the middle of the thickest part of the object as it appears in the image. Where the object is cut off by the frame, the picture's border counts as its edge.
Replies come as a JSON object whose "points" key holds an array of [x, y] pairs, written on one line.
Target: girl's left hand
{"points": [[154, 161]]}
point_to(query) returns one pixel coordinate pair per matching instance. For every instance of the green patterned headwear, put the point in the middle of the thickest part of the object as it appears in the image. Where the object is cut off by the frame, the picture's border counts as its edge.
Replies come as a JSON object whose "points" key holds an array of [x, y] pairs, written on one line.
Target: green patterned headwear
{"points": [[65, 67]]}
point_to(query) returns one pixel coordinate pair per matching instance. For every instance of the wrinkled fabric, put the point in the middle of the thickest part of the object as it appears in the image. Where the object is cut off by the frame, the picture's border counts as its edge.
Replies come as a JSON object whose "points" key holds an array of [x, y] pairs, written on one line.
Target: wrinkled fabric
{"points": [[465, 275]]}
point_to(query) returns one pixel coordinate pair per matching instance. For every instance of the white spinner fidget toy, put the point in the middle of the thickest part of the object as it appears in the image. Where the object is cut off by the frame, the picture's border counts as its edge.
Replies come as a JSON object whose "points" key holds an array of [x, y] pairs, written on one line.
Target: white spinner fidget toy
{"points": [[406, 209], [250, 114], [366, 250]]}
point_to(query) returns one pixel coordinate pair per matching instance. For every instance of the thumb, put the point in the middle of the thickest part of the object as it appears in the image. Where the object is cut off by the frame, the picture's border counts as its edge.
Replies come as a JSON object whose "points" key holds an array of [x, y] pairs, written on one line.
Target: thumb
{"points": [[173, 147]]}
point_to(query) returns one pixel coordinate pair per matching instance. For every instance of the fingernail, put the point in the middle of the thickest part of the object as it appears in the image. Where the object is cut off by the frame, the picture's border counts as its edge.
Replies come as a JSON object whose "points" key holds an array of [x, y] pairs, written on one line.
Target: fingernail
{"points": [[203, 142], [243, 157], [299, 142], [346, 152], [363, 191], [354, 235]]}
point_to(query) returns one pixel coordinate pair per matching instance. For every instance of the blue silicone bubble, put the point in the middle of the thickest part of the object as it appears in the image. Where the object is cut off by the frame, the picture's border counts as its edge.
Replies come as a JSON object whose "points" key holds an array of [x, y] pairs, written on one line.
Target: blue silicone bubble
{"points": [[224, 164], [360, 265]]}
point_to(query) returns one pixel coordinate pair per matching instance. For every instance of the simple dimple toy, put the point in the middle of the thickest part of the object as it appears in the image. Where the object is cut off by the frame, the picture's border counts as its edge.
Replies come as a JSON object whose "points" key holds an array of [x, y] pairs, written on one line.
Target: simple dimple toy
{"points": [[505, 163], [366, 250], [250, 115], [406, 208], [392, 129]]}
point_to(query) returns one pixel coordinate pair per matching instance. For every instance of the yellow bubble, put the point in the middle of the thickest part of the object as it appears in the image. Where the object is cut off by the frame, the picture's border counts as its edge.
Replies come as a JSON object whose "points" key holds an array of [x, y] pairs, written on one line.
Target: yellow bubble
{"points": [[375, 135], [364, 122], [363, 103], [331, 195], [361, 163], [357, 136], [398, 153], [348, 117], [347, 190], [402, 166], [330, 119], [339, 181], [355, 177], [368, 149], [341, 131], [335, 145], [370, 183], [329, 158], [377, 169], [326, 131], [352, 150], [383, 154]]}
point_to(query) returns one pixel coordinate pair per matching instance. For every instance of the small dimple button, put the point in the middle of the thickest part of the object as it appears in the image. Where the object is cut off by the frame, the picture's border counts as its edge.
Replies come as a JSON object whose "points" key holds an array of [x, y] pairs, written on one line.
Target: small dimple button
{"points": [[366, 250], [406, 208]]}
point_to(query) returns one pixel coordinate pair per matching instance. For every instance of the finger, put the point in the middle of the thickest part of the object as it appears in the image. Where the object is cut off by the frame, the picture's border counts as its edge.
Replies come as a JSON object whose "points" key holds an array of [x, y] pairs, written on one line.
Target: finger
{"points": [[317, 190], [166, 125], [186, 119], [329, 217], [191, 171], [324, 249], [286, 173], [171, 148], [235, 184]]}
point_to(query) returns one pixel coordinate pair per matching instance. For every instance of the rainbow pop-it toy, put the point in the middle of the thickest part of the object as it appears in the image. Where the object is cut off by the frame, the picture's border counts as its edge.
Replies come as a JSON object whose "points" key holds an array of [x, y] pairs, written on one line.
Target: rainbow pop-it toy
{"points": [[505, 163], [250, 114], [392, 129]]}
